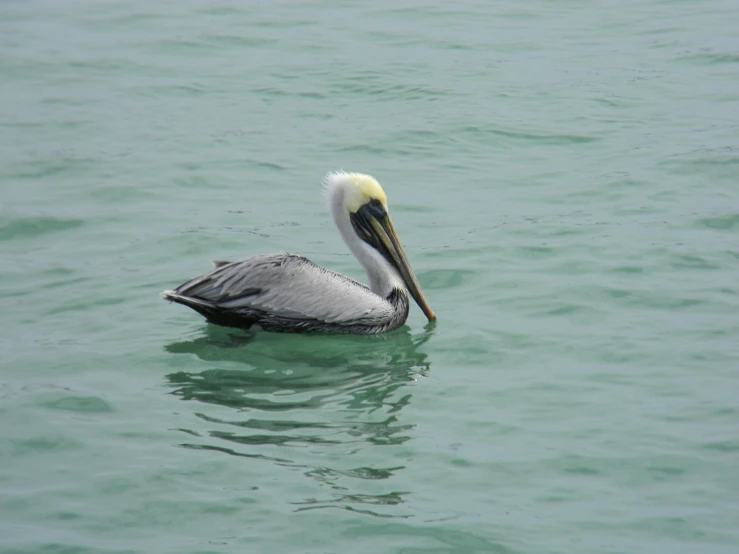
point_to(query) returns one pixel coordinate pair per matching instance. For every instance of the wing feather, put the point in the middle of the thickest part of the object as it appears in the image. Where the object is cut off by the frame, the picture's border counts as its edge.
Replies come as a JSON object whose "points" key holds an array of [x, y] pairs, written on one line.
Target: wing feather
{"points": [[289, 286]]}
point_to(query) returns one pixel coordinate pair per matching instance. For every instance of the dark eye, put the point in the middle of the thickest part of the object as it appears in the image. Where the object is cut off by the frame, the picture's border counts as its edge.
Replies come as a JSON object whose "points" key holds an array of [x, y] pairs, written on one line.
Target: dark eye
{"points": [[376, 204]]}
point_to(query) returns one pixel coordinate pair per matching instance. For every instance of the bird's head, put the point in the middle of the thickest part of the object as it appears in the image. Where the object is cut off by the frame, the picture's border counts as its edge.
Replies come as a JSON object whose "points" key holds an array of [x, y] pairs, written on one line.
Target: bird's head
{"points": [[360, 200]]}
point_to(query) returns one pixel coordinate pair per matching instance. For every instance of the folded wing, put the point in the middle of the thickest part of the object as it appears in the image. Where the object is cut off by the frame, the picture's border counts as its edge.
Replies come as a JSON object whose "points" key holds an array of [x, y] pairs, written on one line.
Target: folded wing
{"points": [[290, 287]]}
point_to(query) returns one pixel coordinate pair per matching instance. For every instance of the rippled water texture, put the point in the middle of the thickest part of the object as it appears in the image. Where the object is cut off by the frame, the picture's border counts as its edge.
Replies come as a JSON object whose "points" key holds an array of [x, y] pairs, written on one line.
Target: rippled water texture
{"points": [[564, 179]]}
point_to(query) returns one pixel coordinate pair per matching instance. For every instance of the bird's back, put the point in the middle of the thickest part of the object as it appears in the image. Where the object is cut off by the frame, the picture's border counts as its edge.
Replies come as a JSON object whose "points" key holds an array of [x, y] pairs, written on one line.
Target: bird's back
{"points": [[283, 292]]}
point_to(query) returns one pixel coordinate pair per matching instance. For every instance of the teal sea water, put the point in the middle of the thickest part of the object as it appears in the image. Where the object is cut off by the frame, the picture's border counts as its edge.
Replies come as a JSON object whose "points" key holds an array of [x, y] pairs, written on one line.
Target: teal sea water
{"points": [[564, 179]]}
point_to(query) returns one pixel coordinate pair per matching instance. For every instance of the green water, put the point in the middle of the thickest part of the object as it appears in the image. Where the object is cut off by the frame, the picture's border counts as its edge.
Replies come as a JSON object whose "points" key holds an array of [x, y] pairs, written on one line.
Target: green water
{"points": [[564, 179]]}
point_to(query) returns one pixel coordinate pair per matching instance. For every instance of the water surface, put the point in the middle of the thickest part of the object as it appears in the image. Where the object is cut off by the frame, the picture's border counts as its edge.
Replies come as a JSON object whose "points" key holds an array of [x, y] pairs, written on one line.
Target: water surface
{"points": [[564, 179]]}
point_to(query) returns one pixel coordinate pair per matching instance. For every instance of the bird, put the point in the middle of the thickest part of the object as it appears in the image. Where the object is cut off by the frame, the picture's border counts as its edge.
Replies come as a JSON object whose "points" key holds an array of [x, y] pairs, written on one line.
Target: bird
{"points": [[286, 293]]}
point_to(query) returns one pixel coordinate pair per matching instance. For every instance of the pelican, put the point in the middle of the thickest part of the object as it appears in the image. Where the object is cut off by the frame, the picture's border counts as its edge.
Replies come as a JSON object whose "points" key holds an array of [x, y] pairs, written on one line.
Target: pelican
{"points": [[289, 294]]}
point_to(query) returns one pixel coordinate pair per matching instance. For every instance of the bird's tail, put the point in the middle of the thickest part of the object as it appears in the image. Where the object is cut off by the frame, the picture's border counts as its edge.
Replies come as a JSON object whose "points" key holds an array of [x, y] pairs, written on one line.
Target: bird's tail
{"points": [[203, 307]]}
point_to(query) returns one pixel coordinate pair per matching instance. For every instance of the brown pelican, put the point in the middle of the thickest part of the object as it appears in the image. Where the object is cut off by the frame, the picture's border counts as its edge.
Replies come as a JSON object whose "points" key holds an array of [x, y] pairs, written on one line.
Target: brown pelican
{"points": [[287, 293]]}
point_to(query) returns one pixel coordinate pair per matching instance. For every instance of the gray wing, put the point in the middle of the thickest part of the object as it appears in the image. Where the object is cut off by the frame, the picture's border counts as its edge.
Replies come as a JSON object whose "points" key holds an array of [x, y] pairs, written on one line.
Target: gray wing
{"points": [[288, 286]]}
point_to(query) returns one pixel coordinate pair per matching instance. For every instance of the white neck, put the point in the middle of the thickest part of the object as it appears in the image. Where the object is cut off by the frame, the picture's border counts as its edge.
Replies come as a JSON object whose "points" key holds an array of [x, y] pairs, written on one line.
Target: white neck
{"points": [[383, 277]]}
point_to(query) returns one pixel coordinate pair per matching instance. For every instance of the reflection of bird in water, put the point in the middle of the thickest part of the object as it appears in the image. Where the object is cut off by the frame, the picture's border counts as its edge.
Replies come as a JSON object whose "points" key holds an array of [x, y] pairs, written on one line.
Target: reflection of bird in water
{"points": [[286, 293], [314, 404], [354, 370]]}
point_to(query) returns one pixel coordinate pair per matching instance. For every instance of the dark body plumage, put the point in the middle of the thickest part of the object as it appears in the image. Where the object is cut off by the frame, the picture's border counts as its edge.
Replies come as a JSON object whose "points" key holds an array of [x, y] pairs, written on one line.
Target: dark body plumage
{"points": [[287, 293]]}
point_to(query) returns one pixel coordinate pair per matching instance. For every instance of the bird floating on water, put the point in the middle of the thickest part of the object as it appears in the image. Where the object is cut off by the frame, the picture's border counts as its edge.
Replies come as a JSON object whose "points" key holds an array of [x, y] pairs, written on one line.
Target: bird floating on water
{"points": [[290, 294]]}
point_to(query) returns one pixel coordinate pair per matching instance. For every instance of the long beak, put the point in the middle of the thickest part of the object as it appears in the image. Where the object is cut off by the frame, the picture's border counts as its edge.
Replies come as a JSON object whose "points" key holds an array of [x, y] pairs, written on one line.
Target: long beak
{"points": [[388, 237]]}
